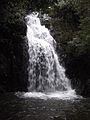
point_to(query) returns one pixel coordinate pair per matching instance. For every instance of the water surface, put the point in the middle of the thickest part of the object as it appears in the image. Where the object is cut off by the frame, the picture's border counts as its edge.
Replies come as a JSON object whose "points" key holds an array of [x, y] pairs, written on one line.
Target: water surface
{"points": [[16, 108]]}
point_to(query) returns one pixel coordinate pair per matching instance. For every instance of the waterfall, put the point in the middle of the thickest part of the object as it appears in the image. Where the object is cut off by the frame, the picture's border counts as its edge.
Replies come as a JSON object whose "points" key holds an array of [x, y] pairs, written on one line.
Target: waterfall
{"points": [[46, 74]]}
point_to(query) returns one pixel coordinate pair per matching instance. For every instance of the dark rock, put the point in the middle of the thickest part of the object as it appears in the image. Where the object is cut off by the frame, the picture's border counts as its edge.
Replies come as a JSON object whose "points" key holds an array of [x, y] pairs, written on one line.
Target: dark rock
{"points": [[13, 47]]}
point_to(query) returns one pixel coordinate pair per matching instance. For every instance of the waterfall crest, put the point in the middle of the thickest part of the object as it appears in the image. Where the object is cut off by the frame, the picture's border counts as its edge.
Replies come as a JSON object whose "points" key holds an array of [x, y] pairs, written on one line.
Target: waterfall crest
{"points": [[45, 71]]}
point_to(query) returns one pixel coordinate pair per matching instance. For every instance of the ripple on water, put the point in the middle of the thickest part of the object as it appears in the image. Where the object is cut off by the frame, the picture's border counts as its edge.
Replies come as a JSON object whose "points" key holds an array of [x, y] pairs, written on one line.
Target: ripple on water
{"points": [[21, 108]]}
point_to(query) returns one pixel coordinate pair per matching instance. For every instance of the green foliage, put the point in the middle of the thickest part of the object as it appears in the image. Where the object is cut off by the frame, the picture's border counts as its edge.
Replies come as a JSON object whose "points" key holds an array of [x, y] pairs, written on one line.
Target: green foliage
{"points": [[82, 40], [74, 21]]}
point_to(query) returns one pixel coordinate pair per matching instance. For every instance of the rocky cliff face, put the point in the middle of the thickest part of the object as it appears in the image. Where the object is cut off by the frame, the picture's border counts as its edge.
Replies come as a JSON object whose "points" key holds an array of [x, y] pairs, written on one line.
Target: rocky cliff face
{"points": [[13, 46]]}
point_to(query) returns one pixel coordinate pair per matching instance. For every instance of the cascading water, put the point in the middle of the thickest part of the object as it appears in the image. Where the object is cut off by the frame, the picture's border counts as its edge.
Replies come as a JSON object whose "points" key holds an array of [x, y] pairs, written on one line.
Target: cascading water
{"points": [[46, 75]]}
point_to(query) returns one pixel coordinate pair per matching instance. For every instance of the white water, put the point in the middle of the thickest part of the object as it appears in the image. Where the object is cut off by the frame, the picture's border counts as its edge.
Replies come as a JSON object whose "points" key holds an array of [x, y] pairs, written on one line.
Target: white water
{"points": [[46, 76]]}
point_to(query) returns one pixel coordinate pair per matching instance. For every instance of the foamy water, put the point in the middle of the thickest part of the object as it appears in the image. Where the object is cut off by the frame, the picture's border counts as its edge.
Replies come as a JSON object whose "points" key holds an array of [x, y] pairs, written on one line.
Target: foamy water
{"points": [[57, 95]]}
